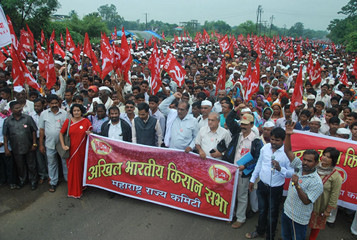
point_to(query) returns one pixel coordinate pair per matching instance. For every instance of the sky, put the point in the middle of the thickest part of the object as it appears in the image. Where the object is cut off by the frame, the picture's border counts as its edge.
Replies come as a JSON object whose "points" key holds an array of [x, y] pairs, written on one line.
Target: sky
{"points": [[314, 14]]}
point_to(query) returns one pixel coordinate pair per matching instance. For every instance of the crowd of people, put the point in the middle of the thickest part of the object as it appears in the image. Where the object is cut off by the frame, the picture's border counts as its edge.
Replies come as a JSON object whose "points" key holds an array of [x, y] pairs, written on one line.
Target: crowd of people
{"points": [[195, 117]]}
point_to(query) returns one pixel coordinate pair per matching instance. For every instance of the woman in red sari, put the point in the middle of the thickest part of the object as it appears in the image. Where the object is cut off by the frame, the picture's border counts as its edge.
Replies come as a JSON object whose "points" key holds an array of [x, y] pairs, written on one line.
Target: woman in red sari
{"points": [[78, 134]]}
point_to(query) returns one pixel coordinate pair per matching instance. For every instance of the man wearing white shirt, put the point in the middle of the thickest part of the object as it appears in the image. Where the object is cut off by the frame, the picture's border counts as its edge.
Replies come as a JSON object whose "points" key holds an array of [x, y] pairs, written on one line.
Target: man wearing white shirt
{"points": [[103, 98], [115, 128], [208, 137], [270, 186], [181, 127], [206, 108]]}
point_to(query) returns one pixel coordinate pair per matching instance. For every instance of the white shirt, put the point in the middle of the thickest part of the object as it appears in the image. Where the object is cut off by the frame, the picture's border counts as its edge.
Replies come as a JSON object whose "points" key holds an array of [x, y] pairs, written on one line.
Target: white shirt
{"points": [[27, 109], [114, 131], [107, 105], [125, 117], [208, 140], [263, 167], [202, 122], [244, 145], [36, 119]]}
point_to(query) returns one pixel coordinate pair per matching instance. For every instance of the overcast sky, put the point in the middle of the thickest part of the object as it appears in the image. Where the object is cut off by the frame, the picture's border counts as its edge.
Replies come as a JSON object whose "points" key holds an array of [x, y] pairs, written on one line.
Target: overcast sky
{"points": [[314, 14]]}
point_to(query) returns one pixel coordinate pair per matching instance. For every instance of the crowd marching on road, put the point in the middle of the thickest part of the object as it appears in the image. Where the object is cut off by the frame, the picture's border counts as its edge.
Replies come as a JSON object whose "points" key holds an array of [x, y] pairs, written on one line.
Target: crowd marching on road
{"points": [[214, 101]]}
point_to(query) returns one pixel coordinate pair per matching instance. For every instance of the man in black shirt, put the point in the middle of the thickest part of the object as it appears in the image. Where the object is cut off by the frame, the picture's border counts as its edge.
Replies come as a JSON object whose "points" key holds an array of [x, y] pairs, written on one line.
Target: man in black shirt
{"points": [[21, 129]]}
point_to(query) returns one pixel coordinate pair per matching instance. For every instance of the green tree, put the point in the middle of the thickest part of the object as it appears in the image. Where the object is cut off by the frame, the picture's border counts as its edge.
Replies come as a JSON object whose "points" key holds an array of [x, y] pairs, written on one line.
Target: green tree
{"points": [[245, 28], [344, 31], [350, 9], [110, 16], [32, 12], [296, 30]]}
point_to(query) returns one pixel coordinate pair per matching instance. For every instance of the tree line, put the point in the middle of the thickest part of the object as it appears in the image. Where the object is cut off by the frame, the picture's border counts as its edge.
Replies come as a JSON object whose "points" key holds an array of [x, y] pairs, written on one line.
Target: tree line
{"points": [[107, 17]]}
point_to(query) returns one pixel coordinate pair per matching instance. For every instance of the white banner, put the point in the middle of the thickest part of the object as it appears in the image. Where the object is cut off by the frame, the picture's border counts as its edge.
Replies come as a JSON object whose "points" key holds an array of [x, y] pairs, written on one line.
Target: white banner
{"points": [[5, 38]]}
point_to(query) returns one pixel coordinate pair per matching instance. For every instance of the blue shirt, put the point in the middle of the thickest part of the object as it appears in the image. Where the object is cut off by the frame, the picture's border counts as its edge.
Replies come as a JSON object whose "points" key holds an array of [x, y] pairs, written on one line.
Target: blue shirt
{"points": [[299, 127]]}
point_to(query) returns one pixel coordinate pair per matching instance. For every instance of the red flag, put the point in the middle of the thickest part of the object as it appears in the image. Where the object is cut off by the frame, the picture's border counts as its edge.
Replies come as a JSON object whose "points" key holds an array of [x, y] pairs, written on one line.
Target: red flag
{"points": [[163, 35], [296, 99], [2, 61], [154, 66], [31, 36], [114, 34], [354, 72], [107, 56], [87, 49], [25, 41], [299, 52], [15, 43], [70, 46], [62, 41], [51, 73], [174, 69], [52, 38], [247, 76], [231, 50], [206, 37], [58, 50], [315, 76], [5, 51], [42, 61], [16, 73], [125, 56], [310, 65], [253, 84], [221, 79], [290, 54], [42, 37], [343, 79], [223, 43]]}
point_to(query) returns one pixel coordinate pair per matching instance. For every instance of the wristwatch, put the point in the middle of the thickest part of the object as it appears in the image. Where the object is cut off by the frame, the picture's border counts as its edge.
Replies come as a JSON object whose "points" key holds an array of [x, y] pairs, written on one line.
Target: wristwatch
{"points": [[35, 145]]}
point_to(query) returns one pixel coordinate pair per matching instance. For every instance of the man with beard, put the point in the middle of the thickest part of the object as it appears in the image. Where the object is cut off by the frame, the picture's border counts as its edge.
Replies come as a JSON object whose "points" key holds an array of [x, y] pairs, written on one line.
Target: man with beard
{"points": [[272, 168], [305, 187], [116, 128], [50, 124]]}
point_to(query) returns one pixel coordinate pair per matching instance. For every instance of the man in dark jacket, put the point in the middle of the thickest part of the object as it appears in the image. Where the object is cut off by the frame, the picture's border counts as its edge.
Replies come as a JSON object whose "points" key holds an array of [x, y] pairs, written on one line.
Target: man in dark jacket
{"points": [[146, 129], [244, 143], [115, 128]]}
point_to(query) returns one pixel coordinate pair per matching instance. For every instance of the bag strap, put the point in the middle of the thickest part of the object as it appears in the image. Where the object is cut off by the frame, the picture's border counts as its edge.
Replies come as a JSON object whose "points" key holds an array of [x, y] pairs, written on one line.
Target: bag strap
{"points": [[69, 124], [324, 180]]}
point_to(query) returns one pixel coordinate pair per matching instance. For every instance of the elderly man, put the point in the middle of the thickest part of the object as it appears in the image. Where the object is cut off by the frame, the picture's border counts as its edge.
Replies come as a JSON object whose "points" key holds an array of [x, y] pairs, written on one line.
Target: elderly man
{"points": [[209, 136], [267, 128], [315, 124], [20, 95], [103, 98], [50, 124], [206, 107], [181, 127], [146, 129]]}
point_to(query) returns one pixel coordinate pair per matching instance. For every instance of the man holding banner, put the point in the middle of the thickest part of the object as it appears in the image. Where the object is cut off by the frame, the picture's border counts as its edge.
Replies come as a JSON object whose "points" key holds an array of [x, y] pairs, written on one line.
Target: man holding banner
{"points": [[181, 127]]}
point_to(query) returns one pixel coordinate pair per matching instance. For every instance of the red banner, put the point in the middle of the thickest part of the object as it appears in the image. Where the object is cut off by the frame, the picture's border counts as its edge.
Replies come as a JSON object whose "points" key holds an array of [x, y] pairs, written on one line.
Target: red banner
{"points": [[163, 176], [346, 164]]}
